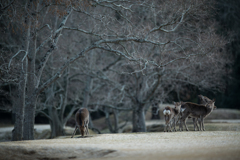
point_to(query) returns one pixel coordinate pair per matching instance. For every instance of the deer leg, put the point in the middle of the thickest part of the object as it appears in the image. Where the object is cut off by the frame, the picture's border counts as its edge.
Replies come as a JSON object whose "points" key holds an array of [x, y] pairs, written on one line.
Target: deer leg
{"points": [[184, 119], [177, 122], [174, 129], [202, 123], [185, 124], [180, 122], [180, 125], [195, 121], [197, 124], [165, 127], [74, 131], [194, 124], [170, 126], [87, 128]]}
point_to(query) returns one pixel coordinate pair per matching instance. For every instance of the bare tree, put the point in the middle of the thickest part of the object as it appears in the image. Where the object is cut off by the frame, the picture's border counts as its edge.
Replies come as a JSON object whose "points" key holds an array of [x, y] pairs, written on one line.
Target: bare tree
{"points": [[161, 41]]}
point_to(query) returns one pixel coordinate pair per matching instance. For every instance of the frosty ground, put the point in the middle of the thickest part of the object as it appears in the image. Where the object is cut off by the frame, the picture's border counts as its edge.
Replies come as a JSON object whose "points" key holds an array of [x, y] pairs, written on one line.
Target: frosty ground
{"points": [[150, 145]]}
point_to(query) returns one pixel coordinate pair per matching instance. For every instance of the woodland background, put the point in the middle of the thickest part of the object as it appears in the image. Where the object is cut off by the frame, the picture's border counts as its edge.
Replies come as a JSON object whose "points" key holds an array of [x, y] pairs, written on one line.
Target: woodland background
{"points": [[113, 56]]}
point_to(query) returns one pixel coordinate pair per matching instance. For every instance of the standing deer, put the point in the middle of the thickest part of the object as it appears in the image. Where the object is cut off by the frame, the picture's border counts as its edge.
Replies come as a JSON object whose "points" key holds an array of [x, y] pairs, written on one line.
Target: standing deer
{"points": [[82, 120], [171, 114], [196, 111], [201, 100]]}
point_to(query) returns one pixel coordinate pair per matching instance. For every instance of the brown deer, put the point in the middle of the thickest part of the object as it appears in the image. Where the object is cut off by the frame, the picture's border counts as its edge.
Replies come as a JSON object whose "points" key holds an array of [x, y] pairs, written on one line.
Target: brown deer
{"points": [[82, 120], [196, 111], [201, 100], [171, 114]]}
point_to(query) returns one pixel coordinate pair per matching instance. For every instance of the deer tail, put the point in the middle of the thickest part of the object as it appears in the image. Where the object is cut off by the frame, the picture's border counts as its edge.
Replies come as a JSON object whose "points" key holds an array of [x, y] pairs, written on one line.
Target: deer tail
{"points": [[166, 112]]}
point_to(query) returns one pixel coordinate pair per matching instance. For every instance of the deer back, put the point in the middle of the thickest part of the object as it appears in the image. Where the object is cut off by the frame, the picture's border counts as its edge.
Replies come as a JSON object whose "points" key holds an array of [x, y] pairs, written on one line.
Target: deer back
{"points": [[194, 109], [82, 116]]}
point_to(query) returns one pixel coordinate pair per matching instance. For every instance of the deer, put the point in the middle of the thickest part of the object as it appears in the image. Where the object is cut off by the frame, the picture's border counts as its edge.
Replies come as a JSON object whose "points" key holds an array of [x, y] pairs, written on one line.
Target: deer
{"points": [[194, 110], [171, 114], [82, 120], [201, 100]]}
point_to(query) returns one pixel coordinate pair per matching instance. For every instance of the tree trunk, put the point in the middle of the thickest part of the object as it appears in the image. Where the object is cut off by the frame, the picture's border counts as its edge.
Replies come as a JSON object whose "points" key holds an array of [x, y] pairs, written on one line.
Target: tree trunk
{"points": [[56, 126], [55, 122], [116, 128], [138, 120], [29, 116], [138, 110], [108, 121], [18, 108]]}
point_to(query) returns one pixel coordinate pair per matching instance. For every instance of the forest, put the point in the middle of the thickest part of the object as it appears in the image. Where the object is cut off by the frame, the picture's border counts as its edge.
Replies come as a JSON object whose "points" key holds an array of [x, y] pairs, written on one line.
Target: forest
{"points": [[109, 56]]}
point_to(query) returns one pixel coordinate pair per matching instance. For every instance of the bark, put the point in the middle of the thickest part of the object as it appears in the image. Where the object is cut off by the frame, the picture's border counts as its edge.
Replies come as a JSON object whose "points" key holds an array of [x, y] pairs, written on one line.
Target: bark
{"points": [[138, 109], [110, 126], [116, 128], [106, 111], [138, 120], [56, 125], [29, 116], [140, 100], [18, 108]]}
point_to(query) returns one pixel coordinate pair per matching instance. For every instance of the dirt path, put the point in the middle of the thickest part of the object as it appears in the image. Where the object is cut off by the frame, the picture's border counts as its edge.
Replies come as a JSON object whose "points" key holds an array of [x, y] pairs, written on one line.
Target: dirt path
{"points": [[134, 146]]}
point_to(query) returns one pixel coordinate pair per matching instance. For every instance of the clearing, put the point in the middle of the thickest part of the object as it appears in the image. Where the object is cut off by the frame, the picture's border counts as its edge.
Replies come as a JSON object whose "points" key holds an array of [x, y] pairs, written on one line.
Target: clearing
{"points": [[134, 146]]}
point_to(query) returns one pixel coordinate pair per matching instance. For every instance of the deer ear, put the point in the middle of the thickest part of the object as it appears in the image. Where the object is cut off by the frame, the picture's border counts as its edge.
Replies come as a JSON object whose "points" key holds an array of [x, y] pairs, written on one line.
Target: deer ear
{"points": [[214, 100], [174, 102]]}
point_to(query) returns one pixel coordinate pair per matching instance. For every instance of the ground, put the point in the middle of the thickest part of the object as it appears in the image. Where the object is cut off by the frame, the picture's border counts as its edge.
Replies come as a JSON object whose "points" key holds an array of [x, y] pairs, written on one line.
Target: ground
{"points": [[220, 141], [133, 146]]}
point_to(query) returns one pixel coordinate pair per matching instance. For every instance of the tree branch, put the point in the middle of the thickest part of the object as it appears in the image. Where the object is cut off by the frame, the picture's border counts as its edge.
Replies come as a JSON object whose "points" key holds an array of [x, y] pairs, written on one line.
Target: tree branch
{"points": [[53, 46]]}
